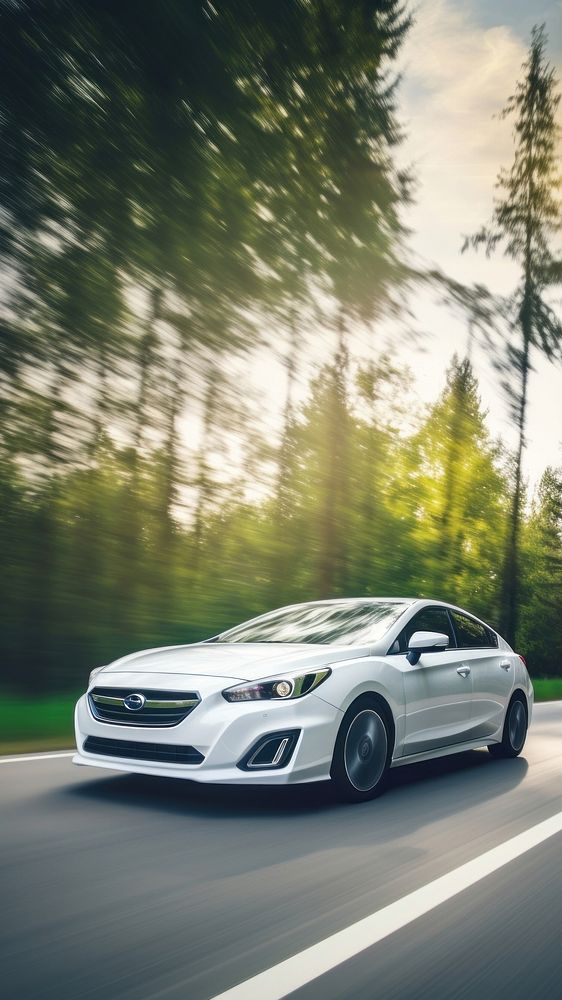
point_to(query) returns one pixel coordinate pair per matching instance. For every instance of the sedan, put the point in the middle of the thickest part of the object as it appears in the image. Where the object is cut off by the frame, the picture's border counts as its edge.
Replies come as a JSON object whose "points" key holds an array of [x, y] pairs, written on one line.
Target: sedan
{"points": [[338, 690]]}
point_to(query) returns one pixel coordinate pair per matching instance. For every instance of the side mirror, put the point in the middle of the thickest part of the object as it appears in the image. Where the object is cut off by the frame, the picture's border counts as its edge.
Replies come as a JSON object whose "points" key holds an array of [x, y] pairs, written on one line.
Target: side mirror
{"points": [[425, 642]]}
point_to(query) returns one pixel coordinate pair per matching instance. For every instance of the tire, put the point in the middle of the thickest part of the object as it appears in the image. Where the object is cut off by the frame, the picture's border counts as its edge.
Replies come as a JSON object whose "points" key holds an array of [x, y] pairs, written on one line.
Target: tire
{"points": [[514, 730], [362, 752]]}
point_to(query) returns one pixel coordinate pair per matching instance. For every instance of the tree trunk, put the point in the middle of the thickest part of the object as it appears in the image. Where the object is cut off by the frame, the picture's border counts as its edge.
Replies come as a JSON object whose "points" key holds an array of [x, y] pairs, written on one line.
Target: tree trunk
{"points": [[510, 580], [146, 353], [284, 453], [450, 541], [100, 407], [510, 576], [40, 626], [132, 510], [170, 460], [332, 531], [203, 481]]}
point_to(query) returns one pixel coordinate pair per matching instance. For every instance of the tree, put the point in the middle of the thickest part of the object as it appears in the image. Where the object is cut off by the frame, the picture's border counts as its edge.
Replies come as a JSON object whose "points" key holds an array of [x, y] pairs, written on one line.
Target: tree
{"points": [[526, 215], [363, 236], [375, 525], [458, 487], [539, 636]]}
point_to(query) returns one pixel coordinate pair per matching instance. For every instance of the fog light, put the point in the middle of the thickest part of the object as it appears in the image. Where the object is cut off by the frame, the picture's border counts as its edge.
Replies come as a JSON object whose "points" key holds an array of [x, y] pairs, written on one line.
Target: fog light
{"points": [[271, 751]]}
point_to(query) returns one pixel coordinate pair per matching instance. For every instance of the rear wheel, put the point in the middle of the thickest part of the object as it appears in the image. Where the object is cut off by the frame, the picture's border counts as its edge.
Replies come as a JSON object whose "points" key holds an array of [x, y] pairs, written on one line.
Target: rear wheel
{"points": [[514, 730], [362, 752]]}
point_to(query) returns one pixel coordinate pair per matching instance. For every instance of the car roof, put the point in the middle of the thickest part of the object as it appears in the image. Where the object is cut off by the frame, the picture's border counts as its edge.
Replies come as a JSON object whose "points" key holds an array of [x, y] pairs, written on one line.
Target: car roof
{"points": [[364, 600], [420, 602], [387, 600]]}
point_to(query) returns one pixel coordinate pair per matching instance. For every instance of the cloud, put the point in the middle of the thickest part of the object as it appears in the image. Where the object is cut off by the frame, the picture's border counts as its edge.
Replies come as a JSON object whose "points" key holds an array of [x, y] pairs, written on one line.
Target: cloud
{"points": [[456, 76]]}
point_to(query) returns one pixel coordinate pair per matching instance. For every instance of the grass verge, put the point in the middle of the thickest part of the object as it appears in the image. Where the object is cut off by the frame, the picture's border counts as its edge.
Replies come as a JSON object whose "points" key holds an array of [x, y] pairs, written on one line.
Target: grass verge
{"points": [[548, 688], [29, 726]]}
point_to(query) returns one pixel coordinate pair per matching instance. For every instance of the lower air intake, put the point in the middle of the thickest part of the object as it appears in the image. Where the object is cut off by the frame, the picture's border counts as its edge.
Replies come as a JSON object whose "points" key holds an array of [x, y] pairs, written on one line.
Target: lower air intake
{"points": [[163, 753]]}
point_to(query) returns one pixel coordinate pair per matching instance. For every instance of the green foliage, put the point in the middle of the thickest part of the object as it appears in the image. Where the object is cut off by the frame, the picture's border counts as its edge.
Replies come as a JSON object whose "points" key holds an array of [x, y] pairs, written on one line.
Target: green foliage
{"points": [[539, 633], [180, 184], [548, 689], [459, 488], [424, 513], [421, 513], [527, 213]]}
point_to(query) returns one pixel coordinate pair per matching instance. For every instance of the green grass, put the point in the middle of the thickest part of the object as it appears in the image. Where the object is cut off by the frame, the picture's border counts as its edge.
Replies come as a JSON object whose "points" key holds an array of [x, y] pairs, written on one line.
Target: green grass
{"points": [[36, 724], [547, 688], [47, 724]]}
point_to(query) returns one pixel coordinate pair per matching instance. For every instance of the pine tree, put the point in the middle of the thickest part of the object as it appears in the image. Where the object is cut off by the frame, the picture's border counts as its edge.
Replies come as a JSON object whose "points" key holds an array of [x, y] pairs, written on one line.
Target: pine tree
{"points": [[540, 637], [459, 490], [526, 215]]}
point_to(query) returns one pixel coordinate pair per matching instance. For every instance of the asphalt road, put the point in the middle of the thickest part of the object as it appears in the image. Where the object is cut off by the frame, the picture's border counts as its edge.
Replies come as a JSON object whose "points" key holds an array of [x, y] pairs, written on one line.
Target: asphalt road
{"points": [[127, 888]]}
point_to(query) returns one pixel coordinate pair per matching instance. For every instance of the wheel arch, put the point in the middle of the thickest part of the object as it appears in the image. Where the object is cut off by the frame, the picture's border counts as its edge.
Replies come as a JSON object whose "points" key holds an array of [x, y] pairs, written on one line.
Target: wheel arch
{"points": [[374, 677], [519, 694], [373, 698]]}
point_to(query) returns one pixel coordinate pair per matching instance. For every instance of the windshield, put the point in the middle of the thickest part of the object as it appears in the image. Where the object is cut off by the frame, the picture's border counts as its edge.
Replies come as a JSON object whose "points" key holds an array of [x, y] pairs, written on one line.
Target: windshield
{"points": [[334, 624]]}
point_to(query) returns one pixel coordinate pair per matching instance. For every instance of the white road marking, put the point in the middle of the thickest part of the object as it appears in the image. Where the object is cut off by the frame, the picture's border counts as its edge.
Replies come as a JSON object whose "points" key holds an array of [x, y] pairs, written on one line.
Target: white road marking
{"points": [[295, 972], [37, 756]]}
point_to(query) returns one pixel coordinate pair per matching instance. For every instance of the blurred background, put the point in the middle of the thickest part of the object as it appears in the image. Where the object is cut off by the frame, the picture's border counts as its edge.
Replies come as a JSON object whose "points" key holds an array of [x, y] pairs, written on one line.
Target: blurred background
{"points": [[243, 362]]}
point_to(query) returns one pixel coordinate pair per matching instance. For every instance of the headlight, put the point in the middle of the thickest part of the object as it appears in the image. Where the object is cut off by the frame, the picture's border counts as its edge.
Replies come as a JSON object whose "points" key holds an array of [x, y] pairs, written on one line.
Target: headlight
{"points": [[93, 674], [278, 688]]}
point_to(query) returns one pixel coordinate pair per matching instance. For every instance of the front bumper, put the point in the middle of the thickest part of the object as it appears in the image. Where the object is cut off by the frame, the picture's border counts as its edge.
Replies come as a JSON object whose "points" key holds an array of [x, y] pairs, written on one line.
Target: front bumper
{"points": [[222, 732]]}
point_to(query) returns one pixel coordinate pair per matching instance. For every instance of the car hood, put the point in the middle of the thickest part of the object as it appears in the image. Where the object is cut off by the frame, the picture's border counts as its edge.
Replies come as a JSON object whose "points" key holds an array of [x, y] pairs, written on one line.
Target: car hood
{"points": [[240, 661]]}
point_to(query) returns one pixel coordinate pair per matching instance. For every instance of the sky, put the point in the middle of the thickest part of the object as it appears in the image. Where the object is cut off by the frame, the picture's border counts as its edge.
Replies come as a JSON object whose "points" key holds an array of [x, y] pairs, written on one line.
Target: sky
{"points": [[459, 65]]}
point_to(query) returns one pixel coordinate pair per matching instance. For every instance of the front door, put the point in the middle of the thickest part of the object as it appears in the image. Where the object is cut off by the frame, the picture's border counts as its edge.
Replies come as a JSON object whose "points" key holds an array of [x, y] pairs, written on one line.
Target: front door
{"points": [[438, 689]]}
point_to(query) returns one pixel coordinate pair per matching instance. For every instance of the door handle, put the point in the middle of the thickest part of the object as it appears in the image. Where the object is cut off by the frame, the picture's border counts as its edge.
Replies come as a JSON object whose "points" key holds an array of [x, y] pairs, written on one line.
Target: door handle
{"points": [[463, 671], [505, 664]]}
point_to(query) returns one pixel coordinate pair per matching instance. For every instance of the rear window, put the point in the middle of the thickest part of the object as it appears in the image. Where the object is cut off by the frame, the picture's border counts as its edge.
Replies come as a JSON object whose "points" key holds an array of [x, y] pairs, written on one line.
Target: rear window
{"points": [[472, 634]]}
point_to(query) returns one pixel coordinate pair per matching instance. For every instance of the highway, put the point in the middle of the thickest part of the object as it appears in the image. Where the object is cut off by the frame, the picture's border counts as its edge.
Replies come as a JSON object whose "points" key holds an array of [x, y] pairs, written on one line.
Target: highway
{"points": [[124, 887]]}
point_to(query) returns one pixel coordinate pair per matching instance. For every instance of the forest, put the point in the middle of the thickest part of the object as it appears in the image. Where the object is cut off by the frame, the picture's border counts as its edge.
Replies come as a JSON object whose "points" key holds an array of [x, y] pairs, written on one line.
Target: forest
{"points": [[190, 192]]}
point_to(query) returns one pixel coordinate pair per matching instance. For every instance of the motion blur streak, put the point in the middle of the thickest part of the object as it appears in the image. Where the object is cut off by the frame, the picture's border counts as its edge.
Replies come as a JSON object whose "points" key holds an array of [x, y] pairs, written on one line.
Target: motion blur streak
{"points": [[207, 309], [32, 757], [207, 887], [299, 970]]}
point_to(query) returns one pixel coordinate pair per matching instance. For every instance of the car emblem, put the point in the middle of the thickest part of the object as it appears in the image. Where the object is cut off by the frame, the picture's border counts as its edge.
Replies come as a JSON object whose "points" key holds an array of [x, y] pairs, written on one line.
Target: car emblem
{"points": [[134, 702]]}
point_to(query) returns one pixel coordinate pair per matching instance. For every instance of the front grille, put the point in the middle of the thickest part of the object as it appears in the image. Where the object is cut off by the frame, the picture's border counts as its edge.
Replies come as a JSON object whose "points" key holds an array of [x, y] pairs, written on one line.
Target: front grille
{"points": [[160, 708], [164, 753]]}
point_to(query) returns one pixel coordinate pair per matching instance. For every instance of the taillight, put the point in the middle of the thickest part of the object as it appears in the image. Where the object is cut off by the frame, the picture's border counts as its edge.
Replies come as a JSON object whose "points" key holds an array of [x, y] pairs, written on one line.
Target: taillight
{"points": [[523, 660]]}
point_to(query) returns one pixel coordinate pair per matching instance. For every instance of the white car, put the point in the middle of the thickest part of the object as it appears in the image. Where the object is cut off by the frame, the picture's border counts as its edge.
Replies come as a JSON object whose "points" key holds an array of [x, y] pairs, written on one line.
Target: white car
{"points": [[339, 689]]}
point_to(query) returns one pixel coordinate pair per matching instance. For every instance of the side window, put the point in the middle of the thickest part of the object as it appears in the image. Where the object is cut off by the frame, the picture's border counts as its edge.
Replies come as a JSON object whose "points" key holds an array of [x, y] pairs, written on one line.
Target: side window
{"points": [[492, 638], [429, 620], [470, 633]]}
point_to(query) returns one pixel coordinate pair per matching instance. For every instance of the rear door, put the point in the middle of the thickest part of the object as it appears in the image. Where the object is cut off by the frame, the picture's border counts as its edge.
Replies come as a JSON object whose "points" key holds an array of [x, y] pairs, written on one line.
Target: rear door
{"points": [[492, 671], [438, 688]]}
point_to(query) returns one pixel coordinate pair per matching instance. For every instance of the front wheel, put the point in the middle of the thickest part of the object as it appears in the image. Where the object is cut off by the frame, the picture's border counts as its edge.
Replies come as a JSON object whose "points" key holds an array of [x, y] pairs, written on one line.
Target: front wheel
{"points": [[361, 754], [514, 731]]}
